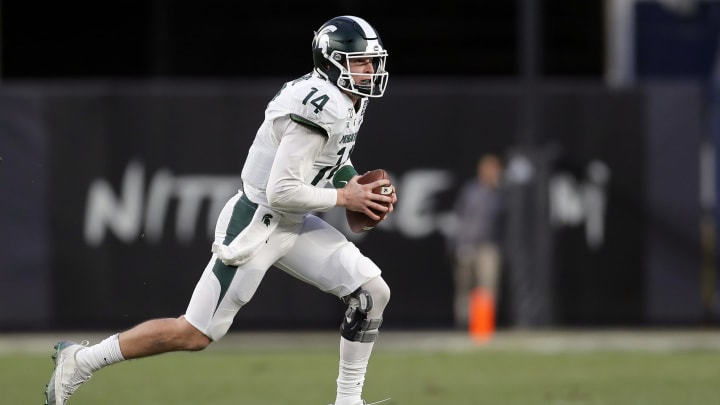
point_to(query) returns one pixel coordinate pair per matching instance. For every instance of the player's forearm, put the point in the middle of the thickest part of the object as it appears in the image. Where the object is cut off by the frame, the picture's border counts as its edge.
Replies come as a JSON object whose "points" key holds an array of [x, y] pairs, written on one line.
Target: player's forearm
{"points": [[289, 196], [287, 187]]}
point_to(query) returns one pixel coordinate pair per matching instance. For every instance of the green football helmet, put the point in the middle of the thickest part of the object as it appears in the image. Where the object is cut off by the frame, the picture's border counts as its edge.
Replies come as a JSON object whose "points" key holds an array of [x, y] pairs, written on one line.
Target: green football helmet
{"points": [[342, 39]]}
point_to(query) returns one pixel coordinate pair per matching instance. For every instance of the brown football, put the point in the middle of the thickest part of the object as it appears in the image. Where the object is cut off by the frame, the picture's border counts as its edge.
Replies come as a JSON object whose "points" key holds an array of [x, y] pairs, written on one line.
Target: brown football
{"points": [[358, 221]]}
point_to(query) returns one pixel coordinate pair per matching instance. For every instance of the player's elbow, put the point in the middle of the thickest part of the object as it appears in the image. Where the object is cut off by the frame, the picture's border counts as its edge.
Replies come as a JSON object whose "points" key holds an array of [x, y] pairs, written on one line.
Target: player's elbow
{"points": [[279, 198]]}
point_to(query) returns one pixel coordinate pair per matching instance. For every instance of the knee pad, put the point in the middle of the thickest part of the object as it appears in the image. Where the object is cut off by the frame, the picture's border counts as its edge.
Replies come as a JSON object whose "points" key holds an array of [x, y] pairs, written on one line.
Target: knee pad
{"points": [[355, 325]]}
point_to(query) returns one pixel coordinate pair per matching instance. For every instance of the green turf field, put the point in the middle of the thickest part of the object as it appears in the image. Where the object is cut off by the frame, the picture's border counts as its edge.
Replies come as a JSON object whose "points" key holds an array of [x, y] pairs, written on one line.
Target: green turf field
{"points": [[306, 376]]}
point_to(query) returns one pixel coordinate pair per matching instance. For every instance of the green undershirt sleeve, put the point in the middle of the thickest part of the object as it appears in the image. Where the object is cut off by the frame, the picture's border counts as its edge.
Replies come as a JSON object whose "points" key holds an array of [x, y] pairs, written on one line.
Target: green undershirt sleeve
{"points": [[343, 175]]}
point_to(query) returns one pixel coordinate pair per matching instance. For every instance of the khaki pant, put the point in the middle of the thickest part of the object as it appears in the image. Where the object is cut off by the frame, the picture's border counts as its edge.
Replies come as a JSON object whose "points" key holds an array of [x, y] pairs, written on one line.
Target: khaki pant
{"points": [[478, 267]]}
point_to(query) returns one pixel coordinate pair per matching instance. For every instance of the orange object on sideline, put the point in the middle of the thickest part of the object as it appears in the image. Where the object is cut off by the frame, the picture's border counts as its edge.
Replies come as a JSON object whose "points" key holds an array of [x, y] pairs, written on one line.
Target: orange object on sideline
{"points": [[482, 315]]}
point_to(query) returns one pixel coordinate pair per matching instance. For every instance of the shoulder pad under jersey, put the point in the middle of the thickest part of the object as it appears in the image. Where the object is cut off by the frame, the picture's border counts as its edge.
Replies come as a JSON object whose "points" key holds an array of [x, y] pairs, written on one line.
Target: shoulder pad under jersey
{"points": [[313, 99]]}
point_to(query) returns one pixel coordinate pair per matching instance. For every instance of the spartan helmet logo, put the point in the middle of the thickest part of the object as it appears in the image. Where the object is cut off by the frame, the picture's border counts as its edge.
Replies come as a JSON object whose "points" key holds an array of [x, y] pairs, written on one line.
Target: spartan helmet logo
{"points": [[266, 219], [322, 40]]}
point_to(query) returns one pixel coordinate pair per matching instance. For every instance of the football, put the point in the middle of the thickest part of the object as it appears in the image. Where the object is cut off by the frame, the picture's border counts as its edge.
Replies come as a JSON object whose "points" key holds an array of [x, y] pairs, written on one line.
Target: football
{"points": [[358, 221]]}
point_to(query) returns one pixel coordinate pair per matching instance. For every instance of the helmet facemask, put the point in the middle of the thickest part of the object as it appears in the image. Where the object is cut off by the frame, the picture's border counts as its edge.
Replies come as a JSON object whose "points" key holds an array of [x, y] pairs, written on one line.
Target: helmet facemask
{"points": [[351, 82]]}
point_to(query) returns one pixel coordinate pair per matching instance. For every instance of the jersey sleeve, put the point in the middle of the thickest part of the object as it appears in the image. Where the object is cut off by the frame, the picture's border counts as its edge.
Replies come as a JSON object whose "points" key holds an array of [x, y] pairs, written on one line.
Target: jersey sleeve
{"points": [[288, 187]]}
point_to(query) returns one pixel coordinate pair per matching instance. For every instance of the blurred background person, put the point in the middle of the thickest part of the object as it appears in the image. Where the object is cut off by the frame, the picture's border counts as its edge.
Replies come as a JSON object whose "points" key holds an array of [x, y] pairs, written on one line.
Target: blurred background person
{"points": [[475, 247]]}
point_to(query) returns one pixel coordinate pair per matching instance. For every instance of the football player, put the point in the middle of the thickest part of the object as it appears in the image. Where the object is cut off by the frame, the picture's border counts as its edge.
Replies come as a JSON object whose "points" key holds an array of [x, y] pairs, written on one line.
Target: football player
{"points": [[304, 143]]}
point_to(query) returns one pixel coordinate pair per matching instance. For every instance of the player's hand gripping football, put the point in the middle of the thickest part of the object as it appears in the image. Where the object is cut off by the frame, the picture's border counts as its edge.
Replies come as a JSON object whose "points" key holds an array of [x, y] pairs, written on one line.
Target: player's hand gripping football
{"points": [[365, 198]]}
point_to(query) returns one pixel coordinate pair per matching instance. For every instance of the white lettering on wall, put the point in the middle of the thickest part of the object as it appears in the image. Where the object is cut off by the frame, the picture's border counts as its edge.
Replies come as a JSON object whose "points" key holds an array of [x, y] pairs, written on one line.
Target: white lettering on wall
{"points": [[136, 212], [417, 213], [576, 202], [130, 215], [122, 214]]}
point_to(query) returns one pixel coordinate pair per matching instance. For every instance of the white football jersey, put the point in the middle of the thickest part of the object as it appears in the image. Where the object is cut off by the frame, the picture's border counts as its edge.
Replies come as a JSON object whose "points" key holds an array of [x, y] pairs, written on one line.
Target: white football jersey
{"points": [[313, 101]]}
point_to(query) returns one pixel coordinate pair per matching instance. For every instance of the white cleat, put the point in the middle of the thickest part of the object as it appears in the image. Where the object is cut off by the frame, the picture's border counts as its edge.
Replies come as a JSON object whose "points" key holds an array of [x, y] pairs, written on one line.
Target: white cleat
{"points": [[67, 375], [362, 402]]}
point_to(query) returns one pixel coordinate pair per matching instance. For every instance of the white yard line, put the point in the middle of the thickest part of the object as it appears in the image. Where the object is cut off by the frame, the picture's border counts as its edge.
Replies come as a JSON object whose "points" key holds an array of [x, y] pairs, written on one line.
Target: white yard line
{"points": [[541, 341]]}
